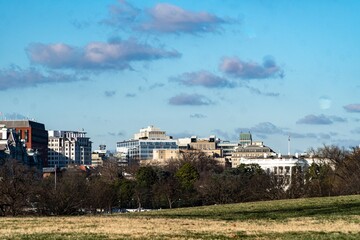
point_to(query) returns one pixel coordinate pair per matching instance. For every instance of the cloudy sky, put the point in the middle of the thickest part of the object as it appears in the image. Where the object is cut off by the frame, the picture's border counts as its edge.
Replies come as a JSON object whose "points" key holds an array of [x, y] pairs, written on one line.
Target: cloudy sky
{"points": [[274, 68]]}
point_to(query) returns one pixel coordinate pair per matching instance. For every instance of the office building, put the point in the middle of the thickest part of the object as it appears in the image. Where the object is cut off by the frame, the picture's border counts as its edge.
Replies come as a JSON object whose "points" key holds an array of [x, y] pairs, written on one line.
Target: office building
{"points": [[141, 147], [69, 148]]}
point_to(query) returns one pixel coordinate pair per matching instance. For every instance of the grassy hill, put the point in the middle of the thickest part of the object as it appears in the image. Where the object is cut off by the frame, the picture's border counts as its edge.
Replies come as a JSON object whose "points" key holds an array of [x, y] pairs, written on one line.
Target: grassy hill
{"points": [[340, 207], [313, 218]]}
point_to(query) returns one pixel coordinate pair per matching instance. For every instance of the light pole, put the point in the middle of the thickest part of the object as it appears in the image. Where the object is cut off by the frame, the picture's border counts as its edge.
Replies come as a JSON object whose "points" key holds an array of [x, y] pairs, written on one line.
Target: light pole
{"points": [[55, 177]]}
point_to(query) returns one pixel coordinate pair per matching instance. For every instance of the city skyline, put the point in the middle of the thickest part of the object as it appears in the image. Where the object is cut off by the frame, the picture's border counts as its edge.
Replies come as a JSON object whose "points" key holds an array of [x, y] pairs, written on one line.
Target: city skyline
{"points": [[274, 68]]}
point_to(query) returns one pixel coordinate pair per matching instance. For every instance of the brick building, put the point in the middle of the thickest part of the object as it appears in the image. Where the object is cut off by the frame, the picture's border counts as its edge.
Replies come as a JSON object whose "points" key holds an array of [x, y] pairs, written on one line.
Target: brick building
{"points": [[35, 137]]}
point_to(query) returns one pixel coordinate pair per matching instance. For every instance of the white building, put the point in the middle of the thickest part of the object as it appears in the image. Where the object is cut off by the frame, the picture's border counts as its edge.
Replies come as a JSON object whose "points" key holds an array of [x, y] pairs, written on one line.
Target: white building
{"points": [[68, 147], [144, 143], [283, 166]]}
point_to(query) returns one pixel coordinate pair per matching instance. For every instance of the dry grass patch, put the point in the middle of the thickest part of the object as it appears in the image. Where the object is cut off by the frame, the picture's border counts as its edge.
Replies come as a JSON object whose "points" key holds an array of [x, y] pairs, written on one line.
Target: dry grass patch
{"points": [[315, 218], [117, 227]]}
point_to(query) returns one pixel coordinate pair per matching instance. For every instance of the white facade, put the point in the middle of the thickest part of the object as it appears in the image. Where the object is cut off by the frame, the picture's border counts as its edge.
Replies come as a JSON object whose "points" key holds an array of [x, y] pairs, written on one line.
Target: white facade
{"points": [[3, 132], [183, 143], [151, 133], [284, 166], [4, 148], [68, 147]]}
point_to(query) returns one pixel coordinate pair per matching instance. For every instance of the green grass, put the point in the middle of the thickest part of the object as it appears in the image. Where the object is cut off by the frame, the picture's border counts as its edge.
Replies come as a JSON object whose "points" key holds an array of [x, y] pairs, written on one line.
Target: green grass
{"points": [[326, 208]]}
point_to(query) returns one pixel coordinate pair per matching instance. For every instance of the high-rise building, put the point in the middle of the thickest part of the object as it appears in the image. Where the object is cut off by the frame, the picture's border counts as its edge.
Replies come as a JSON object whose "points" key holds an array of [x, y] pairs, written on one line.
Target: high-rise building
{"points": [[143, 144], [69, 147], [35, 138]]}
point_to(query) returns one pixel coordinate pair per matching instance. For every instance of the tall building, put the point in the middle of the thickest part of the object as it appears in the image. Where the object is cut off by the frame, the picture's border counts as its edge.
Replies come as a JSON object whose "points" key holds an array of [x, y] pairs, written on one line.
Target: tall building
{"points": [[35, 138], [69, 147], [142, 145]]}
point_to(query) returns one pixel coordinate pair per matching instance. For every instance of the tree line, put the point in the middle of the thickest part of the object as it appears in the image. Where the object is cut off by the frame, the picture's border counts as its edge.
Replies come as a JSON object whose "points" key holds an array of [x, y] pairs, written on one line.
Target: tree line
{"points": [[194, 179]]}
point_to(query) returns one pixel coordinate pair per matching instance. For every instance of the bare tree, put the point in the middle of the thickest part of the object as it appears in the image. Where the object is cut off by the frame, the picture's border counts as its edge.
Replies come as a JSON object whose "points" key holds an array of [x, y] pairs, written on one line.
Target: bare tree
{"points": [[69, 197], [17, 187], [347, 173]]}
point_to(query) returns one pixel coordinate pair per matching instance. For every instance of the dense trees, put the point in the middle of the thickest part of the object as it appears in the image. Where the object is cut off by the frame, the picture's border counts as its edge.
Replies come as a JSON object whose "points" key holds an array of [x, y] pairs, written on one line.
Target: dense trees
{"points": [[193, 179]]}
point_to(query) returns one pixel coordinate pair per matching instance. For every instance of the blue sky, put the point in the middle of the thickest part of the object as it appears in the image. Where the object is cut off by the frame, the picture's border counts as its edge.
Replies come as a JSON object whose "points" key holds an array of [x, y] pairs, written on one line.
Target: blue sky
{"points": [[275, 68]]}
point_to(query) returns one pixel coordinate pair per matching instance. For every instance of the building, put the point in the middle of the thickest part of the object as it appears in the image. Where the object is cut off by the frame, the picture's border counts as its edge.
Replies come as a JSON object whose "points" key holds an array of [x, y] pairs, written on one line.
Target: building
{"points": [[258, 150], [35, 138], [255, 152], [151, 132], [161, 155], [97, 159], [245, 139], [211, 146], [69, 147], [11, 146], [227, 148], [143, 145], [281, 166], [203, 143], [165, 154], [206, 145], [98, 156]]}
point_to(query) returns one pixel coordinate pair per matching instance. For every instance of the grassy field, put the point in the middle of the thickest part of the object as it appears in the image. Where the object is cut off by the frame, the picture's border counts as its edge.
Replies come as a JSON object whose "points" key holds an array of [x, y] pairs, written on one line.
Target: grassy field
{"points": [[315, 218]]}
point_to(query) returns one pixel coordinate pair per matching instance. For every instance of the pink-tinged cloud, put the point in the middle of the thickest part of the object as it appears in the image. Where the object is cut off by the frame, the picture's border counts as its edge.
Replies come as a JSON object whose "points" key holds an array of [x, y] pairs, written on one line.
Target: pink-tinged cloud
{"points": [[15, 77], [204, 79], [167, 18], [353, 108], [238, 68], [96, 55], [189, 99]]}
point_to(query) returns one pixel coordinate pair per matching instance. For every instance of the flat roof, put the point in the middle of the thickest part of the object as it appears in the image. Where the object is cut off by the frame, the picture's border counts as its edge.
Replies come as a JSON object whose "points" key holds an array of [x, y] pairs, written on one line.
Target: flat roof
{"points": [[22, 123]]}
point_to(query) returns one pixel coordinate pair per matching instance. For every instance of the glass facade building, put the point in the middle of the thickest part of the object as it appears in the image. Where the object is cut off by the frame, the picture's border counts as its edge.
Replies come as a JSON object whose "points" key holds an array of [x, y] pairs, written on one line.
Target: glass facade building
{"points": [[144, 143], [143, 149]]}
